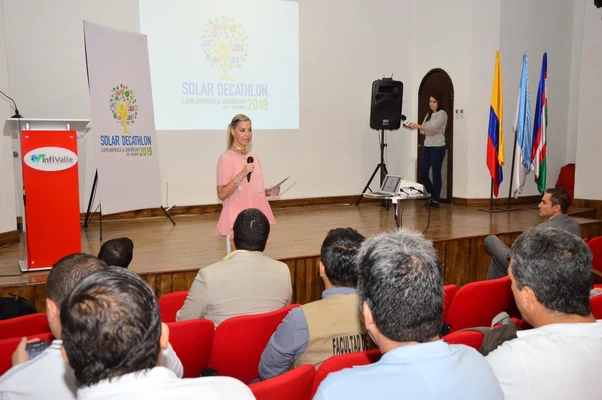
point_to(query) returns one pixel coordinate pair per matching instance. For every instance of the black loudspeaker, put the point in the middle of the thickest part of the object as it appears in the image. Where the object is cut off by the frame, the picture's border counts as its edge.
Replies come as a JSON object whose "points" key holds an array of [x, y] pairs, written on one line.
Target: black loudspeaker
{"points": [[598, 3], [385, 107]]}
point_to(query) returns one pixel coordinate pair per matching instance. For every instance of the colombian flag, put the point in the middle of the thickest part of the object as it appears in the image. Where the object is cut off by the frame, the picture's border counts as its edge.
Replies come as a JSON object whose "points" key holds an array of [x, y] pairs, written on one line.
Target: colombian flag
{"points": [[495, 139], [540, 128]]}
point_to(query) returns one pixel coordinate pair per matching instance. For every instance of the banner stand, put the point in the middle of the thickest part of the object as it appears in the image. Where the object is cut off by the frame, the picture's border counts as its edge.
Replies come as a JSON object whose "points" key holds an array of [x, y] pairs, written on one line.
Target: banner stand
{"points": [[90, 214]]}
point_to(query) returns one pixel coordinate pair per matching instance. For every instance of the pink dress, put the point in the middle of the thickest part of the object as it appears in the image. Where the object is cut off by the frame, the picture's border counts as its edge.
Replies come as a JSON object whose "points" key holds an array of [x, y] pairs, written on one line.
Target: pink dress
{"points": [[252, 195]]}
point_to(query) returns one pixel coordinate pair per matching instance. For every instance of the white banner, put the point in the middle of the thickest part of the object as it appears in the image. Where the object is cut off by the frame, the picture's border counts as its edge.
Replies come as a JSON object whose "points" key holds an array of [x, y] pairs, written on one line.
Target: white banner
{"points": [[122, 119]]}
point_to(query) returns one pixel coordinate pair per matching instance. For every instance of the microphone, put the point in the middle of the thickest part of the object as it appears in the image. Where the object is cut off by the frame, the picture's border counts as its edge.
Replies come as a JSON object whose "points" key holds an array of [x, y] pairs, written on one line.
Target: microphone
{"points": [[406, 121], [17, 115], [249, 160]]}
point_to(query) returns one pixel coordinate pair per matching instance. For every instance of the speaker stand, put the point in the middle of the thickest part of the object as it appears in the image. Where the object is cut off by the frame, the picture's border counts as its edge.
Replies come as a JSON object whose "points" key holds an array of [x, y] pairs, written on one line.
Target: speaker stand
{"points": [[381, 166]]}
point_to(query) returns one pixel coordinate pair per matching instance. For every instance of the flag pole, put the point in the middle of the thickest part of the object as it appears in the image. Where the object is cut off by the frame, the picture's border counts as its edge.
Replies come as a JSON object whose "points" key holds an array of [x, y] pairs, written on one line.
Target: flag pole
{"points": [[491, 209], [509, 206]]}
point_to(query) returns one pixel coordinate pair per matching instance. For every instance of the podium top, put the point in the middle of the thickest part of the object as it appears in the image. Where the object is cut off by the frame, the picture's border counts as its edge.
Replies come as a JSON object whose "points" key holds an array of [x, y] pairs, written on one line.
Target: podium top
{"points": [[12, 125]]}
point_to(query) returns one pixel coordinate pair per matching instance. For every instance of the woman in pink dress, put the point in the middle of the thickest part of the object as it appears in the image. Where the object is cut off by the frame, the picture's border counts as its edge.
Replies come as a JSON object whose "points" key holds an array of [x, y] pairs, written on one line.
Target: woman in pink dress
{"points": [[235, 190]]}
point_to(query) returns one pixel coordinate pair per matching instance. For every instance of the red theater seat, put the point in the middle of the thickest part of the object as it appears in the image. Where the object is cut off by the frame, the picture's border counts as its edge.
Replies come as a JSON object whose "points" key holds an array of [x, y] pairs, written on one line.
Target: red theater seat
{"points": [[337, 363], [192, 341], [468, 338], [240, 341], [170, 304], [293, 385], [448, 298], [596, 305], [477, 303], [24, 326]]}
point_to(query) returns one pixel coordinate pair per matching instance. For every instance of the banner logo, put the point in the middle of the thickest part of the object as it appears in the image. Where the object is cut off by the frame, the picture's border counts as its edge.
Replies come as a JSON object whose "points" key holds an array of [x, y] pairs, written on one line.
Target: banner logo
{"points": [[124, 106], [225, 45], [50, 159]]}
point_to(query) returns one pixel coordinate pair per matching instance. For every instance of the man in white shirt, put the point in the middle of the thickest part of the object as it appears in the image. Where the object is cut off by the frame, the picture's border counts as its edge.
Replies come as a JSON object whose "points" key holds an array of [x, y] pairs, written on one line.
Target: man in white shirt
{"points": [[561, 358], [48, 376], [113, 337], [400, 287]]}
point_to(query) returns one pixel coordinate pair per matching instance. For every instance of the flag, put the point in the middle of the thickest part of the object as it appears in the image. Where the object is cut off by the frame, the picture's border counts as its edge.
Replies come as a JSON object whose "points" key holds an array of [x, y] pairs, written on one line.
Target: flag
{"points": [[521, 128], [540, 127], [495, 139]]}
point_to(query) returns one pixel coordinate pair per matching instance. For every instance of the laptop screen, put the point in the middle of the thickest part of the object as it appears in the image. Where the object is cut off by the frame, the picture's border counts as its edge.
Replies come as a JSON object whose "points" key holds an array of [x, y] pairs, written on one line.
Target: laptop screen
{"points": [[391, 184]]}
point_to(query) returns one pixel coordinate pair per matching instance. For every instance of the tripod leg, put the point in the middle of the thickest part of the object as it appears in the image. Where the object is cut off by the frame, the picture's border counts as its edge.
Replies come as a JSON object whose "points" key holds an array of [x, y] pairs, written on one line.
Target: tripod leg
{"points": [[92, 195], [168, 216], [100, 227], [357, 203]]}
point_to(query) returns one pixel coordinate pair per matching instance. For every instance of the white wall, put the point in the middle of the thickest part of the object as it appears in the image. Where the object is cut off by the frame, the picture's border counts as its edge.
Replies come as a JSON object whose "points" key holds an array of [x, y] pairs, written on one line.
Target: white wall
{"points": [[334, 150], [537, 26], [589, 125], [8, 221], [344, 46]]}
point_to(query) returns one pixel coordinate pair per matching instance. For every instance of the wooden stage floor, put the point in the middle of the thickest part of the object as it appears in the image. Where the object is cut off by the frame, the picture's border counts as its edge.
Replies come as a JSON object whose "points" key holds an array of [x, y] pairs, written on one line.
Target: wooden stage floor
{"points": [[168, 256]]}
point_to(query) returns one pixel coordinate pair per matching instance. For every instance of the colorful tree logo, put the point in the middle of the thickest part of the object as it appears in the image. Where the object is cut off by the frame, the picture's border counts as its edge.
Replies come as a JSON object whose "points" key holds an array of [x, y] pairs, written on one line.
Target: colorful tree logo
{"points": [[123, 106], [225, 44]]}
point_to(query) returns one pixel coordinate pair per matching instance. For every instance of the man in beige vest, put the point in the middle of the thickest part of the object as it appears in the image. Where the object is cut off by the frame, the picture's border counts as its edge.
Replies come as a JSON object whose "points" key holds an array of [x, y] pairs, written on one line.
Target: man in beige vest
{"points": [[311, 333], [245, 281]]}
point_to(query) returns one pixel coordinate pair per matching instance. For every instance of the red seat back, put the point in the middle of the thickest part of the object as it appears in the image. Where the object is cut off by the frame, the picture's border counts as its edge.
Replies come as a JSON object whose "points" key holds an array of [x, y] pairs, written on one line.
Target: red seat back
{"points": [[477, 303], [240, 341], [337, 363], [595, 246], [469, 338], [192, 341], [170, 304], [449, 292], [293, 385], [8, 347], [24, 326], [596, 305]]}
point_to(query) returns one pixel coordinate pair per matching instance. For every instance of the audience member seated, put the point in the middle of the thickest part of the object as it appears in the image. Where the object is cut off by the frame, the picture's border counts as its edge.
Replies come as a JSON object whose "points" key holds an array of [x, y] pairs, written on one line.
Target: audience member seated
{"points": [[554, 206], [48, 376], [113, 337], [315, 331], [400, 287], [117, 252], [561, 358], [245, 281]]}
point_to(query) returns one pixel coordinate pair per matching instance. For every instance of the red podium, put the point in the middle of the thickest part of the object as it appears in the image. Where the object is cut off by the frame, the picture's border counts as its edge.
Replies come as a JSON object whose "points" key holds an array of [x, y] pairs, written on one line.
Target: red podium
{"points": [[49, 171]]}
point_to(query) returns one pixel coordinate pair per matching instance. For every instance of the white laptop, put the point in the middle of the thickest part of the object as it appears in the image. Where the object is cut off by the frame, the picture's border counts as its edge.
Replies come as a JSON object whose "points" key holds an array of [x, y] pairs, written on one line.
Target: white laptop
{"points": [[389, 188]]}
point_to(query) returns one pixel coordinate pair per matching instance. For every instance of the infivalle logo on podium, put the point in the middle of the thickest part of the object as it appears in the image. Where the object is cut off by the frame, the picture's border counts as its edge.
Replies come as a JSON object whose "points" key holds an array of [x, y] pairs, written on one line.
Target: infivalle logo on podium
{"points": [[50, 159]]}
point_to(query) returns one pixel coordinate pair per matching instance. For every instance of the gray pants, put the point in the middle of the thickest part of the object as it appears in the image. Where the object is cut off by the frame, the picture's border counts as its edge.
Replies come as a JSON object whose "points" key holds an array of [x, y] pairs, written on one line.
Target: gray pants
{"points": [[499, 257]]}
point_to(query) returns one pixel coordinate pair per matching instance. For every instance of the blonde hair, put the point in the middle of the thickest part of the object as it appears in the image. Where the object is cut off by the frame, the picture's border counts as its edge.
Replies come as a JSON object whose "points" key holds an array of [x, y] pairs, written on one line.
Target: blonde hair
{"points": [[237, 118]]}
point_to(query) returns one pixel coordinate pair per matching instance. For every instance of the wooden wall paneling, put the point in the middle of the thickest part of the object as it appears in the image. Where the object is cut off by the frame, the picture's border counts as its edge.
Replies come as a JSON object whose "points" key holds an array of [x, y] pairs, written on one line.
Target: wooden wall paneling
{"points": [[165, 283], [457, 262], [182, 281], [479, 258], [10, 237], [590, 203], [292, 268], [152, 282], [590, 231], [300, 282], [39, 297], [441, 249]]}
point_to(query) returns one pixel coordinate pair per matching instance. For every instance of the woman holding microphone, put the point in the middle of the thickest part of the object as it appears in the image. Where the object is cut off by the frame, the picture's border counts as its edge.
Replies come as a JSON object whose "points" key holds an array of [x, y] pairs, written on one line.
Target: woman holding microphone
{"points": [[433, 152], [240, 179]]}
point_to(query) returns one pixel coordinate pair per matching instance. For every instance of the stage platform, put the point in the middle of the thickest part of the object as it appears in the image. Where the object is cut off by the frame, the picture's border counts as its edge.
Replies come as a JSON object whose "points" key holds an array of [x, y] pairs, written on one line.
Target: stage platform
{"points": [[168, 256]]}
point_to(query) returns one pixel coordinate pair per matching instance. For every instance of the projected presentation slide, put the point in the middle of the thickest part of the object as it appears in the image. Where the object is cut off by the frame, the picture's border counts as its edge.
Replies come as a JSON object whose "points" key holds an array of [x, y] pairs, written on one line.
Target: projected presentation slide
{"points": [[210, 60]]}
